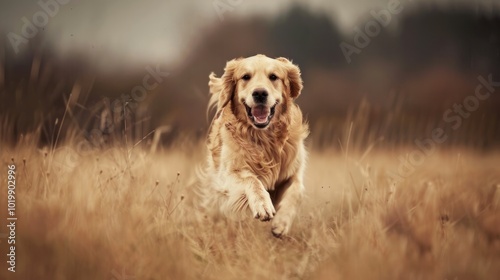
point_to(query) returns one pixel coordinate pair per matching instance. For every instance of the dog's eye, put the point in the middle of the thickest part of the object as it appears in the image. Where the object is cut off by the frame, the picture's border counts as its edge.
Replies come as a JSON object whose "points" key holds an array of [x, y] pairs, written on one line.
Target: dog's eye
{"points": [[246, 77], [273, 77]]}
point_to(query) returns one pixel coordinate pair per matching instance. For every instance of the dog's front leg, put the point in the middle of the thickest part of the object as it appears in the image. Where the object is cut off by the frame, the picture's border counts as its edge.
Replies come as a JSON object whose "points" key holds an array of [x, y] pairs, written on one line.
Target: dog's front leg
{"points": [[257, 197], [287, 206], [259, 200]]}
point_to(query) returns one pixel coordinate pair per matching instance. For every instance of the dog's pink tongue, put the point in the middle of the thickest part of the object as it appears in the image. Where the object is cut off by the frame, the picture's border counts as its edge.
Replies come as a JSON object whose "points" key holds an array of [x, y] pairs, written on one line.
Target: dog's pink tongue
{"points": [[260, 113]]}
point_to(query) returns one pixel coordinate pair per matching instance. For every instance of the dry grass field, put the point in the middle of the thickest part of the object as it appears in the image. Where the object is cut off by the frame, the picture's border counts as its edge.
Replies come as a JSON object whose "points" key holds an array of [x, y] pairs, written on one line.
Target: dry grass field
{"points": [[116, 214], [103, 108]]}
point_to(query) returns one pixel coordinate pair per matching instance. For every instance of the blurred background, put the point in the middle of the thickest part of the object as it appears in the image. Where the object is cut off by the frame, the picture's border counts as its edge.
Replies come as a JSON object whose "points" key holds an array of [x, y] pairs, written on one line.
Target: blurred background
{"points": [[375, 72]]}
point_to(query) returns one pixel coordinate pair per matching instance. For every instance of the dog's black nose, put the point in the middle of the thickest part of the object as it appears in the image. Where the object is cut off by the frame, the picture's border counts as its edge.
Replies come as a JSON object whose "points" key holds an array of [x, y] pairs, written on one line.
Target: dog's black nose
{"points": [[259, 95]]}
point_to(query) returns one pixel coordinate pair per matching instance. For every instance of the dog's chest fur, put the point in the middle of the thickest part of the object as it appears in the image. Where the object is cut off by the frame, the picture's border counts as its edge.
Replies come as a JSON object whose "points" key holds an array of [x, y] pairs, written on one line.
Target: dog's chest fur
{"points": [[270, 154]]}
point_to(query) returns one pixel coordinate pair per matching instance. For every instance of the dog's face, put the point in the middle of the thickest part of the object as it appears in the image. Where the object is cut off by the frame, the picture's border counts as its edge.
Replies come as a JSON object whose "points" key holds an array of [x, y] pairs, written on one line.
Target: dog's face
{"points": [[259, 87]]}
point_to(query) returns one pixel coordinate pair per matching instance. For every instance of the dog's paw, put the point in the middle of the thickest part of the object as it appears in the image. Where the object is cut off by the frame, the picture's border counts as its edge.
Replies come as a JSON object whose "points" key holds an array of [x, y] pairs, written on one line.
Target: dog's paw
{"points": [[281, 225], [262, 207]]}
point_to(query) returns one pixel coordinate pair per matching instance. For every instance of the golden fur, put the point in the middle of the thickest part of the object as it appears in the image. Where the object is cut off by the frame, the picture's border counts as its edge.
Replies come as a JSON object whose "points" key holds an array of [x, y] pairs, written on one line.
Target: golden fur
{"points": [[250, 167]]}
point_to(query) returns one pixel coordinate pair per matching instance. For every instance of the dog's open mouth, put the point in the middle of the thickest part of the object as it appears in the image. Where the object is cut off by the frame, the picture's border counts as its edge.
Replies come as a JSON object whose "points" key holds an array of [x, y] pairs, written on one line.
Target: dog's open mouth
{"points": [[260, 115]]}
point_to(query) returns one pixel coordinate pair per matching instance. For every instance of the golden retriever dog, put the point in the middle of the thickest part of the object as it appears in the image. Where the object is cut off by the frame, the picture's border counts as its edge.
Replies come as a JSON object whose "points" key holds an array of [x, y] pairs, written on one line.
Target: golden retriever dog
{"points": [[256, 156]]}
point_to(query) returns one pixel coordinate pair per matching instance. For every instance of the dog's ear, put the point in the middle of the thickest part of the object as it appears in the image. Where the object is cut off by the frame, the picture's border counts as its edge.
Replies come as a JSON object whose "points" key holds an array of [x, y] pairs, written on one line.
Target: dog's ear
{"points": [[294, 79], [228, 81], [222, 88], [214, 84]]}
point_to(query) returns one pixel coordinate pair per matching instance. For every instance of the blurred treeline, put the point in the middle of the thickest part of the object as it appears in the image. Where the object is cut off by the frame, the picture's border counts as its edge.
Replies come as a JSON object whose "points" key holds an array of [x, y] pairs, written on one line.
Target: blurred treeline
{"points": [[394, 91]]}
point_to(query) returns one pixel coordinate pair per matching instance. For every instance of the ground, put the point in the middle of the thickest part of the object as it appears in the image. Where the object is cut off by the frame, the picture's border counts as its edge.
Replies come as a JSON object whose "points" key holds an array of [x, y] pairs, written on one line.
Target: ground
{"points": [[127, 214]]}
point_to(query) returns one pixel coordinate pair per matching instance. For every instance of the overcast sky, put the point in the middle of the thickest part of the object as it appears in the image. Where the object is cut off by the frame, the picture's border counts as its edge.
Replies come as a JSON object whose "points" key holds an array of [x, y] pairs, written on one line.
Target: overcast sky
{"points": [[160, 29]]}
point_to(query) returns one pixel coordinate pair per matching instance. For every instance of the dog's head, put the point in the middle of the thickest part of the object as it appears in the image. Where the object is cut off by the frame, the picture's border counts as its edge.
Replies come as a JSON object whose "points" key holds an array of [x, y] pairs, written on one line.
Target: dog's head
{"points": [[257, 88]]}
